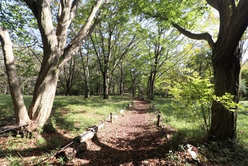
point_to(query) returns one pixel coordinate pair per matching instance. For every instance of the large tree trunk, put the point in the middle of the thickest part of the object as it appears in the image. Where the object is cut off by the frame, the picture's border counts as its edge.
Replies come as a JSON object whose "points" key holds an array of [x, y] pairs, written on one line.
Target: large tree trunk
{"points": [[22, 117], [226, 74], [43, 96]]}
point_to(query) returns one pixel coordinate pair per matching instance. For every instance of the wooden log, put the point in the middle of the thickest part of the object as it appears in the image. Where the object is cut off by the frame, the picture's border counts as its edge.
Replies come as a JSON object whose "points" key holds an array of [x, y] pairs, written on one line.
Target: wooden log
{"points": [[11, 128], [75, 147], [86, 136]]}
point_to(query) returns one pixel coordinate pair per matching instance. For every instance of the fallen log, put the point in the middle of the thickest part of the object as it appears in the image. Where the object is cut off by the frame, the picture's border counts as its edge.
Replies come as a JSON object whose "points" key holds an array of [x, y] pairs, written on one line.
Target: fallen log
{"points": [[86, 136], [14, 128], [76, 146]]}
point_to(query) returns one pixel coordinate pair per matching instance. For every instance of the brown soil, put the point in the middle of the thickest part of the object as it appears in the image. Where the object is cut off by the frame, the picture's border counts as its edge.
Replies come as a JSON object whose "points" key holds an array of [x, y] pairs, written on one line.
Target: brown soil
{"points": [[132, 139]]}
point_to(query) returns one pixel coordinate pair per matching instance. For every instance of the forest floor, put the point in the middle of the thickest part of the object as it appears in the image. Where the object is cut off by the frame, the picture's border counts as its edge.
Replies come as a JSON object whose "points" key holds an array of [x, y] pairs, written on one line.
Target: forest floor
{"points": [[132, 139]]}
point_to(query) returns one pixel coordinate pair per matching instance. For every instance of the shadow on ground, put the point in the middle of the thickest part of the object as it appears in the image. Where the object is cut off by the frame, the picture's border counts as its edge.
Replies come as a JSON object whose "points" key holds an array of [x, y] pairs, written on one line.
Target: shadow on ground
{"points": [[145, 146], [46, 142]]}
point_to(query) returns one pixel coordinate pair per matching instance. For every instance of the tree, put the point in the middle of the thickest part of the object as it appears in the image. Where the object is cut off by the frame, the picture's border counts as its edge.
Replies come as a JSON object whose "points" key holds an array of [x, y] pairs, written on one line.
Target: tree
{"points": [[56, 52], [226, 57], [111, 42], [226, 52], [161, 49]]}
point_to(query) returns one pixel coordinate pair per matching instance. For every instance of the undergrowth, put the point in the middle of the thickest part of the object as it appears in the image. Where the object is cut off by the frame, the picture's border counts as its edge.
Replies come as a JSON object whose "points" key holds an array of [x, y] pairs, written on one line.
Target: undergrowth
{"points": [[189, 129]]}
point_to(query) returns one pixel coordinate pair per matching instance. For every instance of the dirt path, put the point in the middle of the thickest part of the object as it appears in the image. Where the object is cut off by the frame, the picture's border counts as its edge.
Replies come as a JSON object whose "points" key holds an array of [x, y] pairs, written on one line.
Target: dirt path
{"points": [[132, 139]]}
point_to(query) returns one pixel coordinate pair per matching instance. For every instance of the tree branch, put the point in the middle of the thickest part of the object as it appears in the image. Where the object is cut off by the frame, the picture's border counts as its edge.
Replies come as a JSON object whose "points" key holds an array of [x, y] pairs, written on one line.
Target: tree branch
{"points": [[97, 55], [201, 36], [127, 48], [83, 33]]}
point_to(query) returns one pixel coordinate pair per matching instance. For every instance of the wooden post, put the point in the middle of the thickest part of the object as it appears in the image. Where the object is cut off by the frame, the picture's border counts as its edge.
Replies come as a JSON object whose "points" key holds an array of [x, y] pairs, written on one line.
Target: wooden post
{"points": [[110, 117], [158, 116]]}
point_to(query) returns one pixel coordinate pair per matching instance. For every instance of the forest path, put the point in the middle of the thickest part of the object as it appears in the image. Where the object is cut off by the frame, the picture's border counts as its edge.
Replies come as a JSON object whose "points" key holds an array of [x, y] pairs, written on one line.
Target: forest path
{"points": [[132, 139]]}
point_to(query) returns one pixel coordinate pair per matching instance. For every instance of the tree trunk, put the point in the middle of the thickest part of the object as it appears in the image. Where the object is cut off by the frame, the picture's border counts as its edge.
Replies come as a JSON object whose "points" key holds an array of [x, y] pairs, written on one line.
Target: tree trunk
{"points": [[133, 87], [121, 86], [226, 62], [150, 85], [70, 72], [86, 73], [226, 74], [86, 80], [14, 86], [148, 91], [105, 86], [152, 90], [43, 97], [86, 85]]}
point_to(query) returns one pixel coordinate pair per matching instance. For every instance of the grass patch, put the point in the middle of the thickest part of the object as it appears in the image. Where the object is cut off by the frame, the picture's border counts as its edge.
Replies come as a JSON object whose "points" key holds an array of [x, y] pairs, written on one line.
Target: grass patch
{"points": [[188, 124], [242, 124], [189, 129], [76, 113], [71, 115]]}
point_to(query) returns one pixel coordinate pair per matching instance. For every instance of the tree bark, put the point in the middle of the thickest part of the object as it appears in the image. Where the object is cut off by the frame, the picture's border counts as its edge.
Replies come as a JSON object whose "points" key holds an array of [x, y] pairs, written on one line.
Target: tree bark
{"points": [[105, 86], [226, 74], [22, 117], [41, 107]]}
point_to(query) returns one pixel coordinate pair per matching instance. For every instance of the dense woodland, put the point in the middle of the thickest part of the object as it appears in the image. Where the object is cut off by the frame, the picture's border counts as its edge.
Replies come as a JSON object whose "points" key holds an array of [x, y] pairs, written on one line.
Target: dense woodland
{"points": [[192, 53]]}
